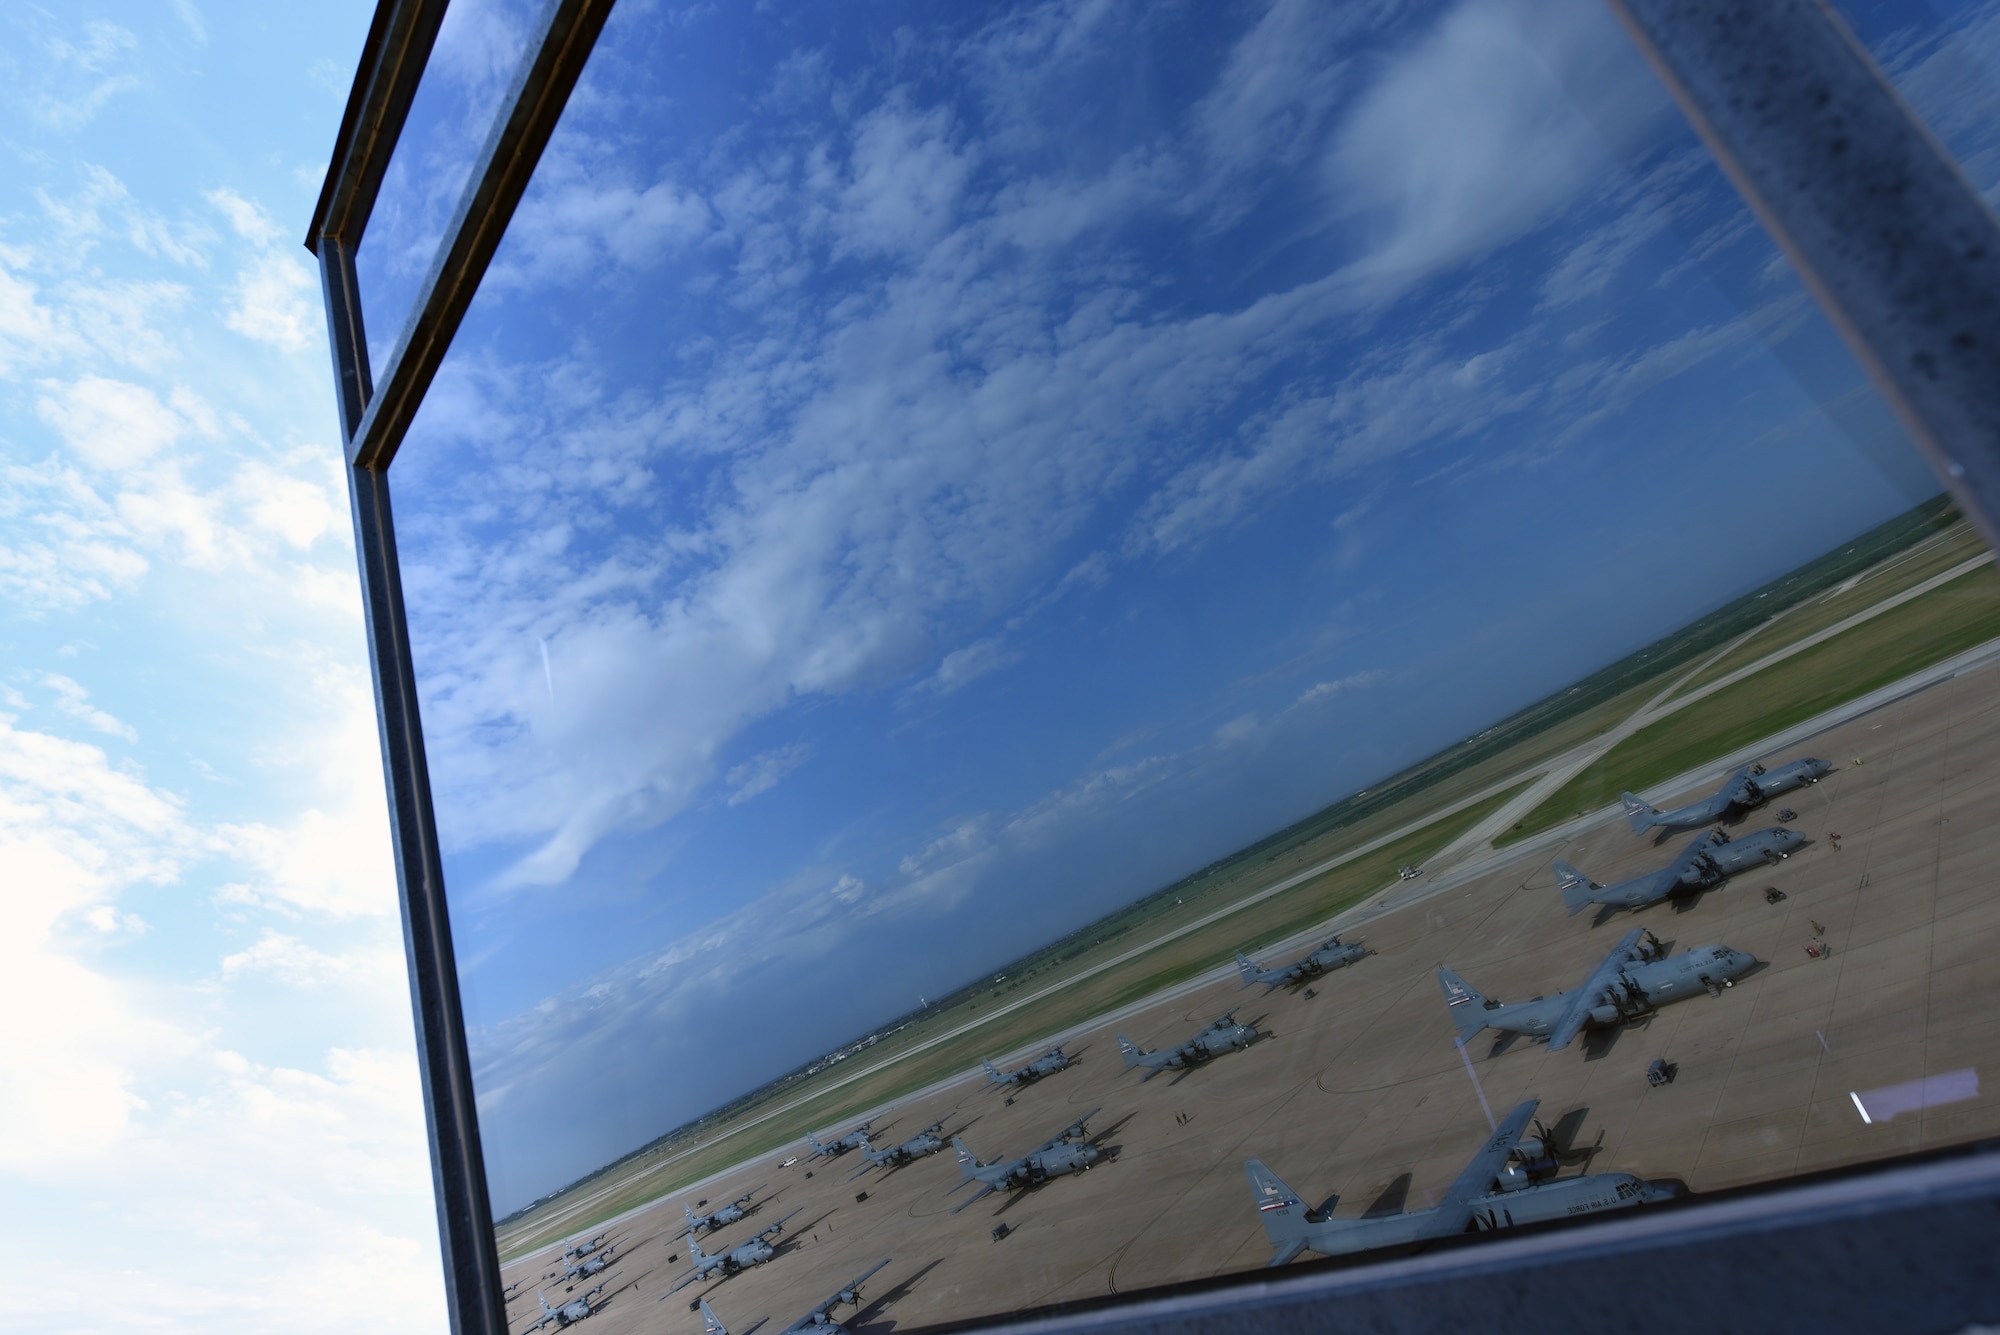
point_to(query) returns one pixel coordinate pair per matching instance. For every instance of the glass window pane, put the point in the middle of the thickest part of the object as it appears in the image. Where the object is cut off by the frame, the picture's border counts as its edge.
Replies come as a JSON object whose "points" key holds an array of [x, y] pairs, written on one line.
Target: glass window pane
{"points": [[1944, 58], [479, 48], [942, 528]]}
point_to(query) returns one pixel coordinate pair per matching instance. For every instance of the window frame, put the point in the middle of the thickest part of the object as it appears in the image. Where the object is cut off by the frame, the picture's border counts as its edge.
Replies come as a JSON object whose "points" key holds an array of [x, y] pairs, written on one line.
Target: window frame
{"points": [[1901, 254]]}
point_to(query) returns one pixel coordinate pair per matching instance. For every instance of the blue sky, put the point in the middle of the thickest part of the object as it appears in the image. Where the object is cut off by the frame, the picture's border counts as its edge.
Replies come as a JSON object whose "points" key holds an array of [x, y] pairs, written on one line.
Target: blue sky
{"points": [[209, 1115], [908, 487]]}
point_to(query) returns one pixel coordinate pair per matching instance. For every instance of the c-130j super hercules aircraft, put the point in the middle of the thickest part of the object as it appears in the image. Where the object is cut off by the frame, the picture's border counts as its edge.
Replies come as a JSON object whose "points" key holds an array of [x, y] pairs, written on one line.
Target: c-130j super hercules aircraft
{"points": [[1490, 1193], [1633, 981], [1707, 861], [1329, 955], [1745, 788]]}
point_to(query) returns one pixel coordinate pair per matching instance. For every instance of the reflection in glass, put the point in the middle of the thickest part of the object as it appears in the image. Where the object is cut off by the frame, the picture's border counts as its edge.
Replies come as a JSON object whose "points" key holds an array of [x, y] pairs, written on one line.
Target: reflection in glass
{"points": [[925, 516], [1944, 58], [478, 49]]}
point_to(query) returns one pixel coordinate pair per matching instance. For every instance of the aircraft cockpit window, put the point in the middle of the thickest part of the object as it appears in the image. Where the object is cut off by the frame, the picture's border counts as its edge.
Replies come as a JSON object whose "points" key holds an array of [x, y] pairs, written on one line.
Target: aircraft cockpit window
{"points": [[1043, 633]]}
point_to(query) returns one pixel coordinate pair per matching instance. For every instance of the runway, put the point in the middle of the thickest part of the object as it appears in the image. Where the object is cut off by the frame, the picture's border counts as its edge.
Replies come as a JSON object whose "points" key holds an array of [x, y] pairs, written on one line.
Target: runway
{"points": [[1360, 1090]]}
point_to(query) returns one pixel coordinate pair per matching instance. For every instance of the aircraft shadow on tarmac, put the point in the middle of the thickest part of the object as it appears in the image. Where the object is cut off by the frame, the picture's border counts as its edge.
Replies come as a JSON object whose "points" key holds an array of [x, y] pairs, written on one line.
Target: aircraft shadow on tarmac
{"points": [[799, 1233], [1394, 1199], [1598, 1043], [1562, 1139], [1692, 899], [870, 1317]]}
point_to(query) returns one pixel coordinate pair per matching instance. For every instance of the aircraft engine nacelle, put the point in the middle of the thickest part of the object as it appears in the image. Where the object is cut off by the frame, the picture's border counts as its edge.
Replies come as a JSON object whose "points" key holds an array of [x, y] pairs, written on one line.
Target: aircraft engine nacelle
{"points": [[1514, 1178], [1604, 1015]]}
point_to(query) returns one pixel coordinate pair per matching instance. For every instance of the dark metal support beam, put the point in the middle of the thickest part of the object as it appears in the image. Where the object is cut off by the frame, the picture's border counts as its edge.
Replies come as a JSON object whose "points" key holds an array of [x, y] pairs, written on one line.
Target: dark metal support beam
{"points": [[534, 105], [392, 63], [458, 1172], [1898, 248]]}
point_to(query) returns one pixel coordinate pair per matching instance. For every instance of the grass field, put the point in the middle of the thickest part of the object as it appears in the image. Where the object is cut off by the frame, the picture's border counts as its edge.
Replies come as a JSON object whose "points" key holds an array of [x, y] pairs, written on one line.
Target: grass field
{"points": [[1957, 544], [1946, 621]]}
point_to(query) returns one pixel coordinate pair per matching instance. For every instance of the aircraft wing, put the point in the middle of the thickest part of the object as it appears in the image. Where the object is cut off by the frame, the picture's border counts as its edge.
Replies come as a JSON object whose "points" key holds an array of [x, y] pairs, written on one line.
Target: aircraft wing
{"points": [[985, 1189], [1664, 881], [778, 1225], [1582, 1001], [809, 1320], [1073, 1129], [1455, 1210]]}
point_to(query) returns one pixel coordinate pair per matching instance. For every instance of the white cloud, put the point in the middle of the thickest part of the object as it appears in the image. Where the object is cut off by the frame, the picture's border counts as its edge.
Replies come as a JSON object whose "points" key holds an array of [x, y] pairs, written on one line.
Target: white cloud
{"points": [[290, 960], [761, 773], [109, 423], [273, 302], [1491, 124], [904, 176], [29, 331], [273, 295], [191, 19], [249, 220], [1326, 690], [963, 666], [331, 860], [74, 833], [73, 699], [79, 65]]}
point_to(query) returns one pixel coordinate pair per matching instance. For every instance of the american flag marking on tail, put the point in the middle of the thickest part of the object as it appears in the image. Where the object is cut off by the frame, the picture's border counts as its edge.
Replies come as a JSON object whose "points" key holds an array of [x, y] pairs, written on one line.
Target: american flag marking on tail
{"points": [[1275, 1197]]}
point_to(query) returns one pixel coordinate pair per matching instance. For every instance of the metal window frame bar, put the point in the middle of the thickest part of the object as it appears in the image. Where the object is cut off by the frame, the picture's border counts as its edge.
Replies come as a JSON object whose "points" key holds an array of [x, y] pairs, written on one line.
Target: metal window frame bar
{"points": [[1902, 255]]}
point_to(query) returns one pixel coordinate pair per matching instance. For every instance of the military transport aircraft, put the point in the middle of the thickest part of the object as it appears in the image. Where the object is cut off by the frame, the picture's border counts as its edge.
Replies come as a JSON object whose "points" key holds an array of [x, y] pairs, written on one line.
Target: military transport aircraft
{"points": [[1708, 860], [585, 1266], [1632, 982], [1331, 955], [1068, 1151], [734, 1261], [1225, 1035], [714, 1219], [1047, 1064], [1747, 787], [819, 1319], [851, 1141], [920, 1146], [568, 1314], [1481, 1197], [584, 1246]]}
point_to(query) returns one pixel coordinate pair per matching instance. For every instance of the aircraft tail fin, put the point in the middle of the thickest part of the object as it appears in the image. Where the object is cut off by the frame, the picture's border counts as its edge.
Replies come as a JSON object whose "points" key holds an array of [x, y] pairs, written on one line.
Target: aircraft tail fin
{"points": [[1131, 1051], [1639, 813], [1467, 1003], [1279, 1209], [688, 1210], [695, 1253], [544, 1299], [1248, 968], [711, 1324], [967, 1161], [1575, 887], [993, 1073]]}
